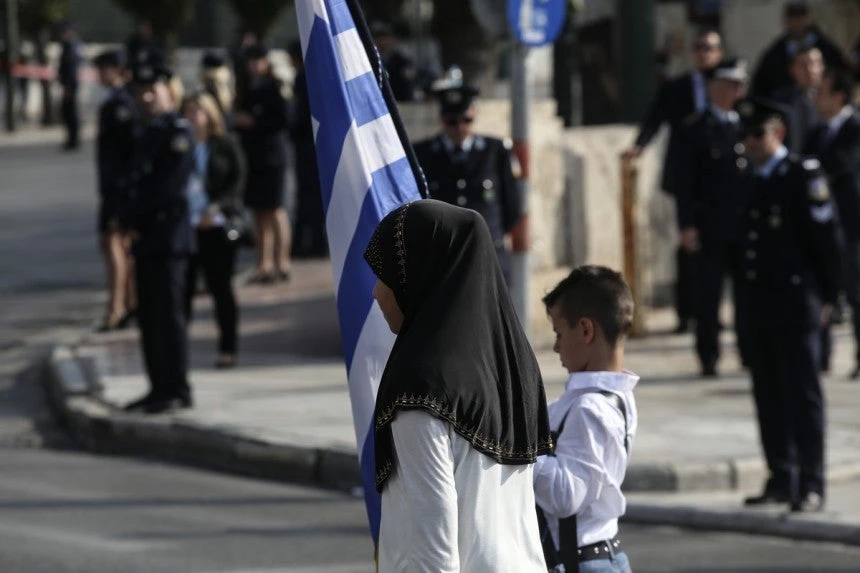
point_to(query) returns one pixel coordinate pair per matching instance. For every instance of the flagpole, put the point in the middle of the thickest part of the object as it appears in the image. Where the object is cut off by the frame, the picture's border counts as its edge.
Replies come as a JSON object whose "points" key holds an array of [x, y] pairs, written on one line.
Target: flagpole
{"points": [[379, 71]]}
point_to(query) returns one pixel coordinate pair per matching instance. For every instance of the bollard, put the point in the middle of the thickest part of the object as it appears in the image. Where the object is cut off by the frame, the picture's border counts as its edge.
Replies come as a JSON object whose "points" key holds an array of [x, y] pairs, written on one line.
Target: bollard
{"points": [[629, 213]]}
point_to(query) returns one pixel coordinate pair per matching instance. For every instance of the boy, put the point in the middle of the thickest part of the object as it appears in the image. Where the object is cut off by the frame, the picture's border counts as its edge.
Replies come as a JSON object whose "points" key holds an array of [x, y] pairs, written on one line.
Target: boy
{"points": [[578, 488]]}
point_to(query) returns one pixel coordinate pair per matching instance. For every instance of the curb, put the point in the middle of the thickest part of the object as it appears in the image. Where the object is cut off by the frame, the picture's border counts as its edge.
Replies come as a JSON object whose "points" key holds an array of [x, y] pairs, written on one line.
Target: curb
{"points": [[783, 525], [102, 429]]}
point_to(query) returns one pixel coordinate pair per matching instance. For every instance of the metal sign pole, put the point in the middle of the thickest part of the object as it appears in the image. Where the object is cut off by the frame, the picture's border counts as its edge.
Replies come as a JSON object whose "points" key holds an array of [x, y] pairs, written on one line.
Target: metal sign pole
{"points": [[520, 257]]}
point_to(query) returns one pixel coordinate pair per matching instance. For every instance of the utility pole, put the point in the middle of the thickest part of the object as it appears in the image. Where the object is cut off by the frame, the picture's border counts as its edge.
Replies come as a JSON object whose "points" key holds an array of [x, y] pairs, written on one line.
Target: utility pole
{"points": [[11, 52]]}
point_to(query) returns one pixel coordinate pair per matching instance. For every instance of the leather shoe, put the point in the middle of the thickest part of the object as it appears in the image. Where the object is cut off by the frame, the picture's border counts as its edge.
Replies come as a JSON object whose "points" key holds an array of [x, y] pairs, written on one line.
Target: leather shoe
{"points": [[140, 404], [162, 405], [768, 497], [709, 371], [855, 374], [808, 503]]}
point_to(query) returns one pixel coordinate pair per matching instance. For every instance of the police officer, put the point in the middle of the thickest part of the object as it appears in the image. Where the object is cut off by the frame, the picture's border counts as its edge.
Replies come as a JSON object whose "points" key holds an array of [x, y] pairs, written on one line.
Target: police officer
{"points": [[800, 32], [677, 99], [157, 212], [400, 69], [309, 236], [710, 189], [67, 74], [836, 143], [470, 170], [114, 151], [791, 268]]}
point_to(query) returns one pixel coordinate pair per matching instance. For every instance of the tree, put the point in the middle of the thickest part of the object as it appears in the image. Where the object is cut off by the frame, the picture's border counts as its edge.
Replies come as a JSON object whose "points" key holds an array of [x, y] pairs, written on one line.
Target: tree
{"points": [[167, 17], [258, 16]]}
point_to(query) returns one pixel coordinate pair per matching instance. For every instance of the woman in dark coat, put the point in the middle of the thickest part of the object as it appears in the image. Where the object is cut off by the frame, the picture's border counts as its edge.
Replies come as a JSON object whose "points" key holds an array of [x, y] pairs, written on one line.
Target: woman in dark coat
{"points": [[215, 204], [262, 122]]}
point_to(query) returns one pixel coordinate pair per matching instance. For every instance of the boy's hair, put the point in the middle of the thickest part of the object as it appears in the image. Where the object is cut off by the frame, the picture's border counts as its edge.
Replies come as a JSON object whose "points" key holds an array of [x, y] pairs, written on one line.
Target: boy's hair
{"points": [[598, 293]]}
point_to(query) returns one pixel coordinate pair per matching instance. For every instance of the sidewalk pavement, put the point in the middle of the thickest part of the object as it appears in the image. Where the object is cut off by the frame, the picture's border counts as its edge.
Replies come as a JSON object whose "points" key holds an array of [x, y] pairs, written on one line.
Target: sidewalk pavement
{"points": [[34, 134], [285, 414]]}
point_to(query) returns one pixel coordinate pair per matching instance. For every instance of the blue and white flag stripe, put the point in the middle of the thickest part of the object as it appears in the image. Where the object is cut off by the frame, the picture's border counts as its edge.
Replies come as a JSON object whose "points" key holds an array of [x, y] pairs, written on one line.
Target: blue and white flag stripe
{"points": [[365, 173]]}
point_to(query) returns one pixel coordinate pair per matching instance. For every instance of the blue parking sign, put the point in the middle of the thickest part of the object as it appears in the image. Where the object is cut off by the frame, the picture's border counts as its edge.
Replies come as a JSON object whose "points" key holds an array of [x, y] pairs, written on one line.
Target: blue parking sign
{"points": [[536, 22]]}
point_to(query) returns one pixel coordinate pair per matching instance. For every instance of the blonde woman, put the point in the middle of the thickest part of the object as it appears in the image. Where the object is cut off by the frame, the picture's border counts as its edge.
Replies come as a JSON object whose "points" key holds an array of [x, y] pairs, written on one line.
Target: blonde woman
{"points": [[215, 205]]}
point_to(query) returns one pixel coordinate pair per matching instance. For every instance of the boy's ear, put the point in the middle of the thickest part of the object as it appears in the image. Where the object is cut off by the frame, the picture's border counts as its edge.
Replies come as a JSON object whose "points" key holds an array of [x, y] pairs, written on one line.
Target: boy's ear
{"points": [[587, 328]]}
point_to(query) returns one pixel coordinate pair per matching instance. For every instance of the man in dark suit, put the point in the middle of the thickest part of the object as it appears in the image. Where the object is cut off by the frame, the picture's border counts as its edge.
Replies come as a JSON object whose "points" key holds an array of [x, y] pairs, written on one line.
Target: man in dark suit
{"points": [[807, 69], [836, 143], [471, 170], [676, 101], [711, 189], [800, 31], [67, 74], [791, 272], [163, 239]]}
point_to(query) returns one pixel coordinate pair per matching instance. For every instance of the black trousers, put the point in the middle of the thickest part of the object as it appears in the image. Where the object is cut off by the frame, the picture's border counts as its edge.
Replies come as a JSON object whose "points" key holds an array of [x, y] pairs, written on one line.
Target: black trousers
{"points": [[790, 407], [717, 261], [216, 257], [309, 236], [162, 321], [685, 285], [70, 118]]}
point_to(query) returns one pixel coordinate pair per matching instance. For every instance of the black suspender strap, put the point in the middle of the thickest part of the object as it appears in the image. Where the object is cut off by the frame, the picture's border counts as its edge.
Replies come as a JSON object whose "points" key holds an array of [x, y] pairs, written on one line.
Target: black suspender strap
{"points": [[567, 555]]}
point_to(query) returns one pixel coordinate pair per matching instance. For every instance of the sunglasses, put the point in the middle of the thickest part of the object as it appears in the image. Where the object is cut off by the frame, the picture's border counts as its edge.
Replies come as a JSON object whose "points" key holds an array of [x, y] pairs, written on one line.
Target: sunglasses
{"points": [[455, 121], [708, 47]]}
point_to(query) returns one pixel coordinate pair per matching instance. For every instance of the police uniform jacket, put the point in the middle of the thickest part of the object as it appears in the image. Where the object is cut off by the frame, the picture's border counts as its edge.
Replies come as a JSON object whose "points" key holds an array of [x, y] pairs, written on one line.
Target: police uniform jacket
{"points": [[401, 76], [70, 62], [712, 185], [772, 72], [790, 262], [115, 146], [157, 207], [265, 143], [840, 160], [483, 180], [675, 101]]}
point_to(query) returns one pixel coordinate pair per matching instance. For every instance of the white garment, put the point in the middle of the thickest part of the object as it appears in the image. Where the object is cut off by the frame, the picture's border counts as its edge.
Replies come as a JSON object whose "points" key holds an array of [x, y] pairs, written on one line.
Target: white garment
{"points": [[447, 508], [585, 475]]}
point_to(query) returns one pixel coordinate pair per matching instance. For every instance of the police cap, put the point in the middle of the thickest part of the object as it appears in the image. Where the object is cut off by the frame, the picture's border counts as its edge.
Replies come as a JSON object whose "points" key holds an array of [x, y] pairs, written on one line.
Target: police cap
{"points": [[795, 9], [110, 59], [150, 70], [731, 69], [212, 60], [756, 111], [256, 51]]}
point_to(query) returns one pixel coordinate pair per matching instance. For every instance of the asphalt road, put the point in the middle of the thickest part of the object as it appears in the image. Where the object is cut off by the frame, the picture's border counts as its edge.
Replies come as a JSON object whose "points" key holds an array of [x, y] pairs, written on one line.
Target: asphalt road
{"points": [[65, 511]]}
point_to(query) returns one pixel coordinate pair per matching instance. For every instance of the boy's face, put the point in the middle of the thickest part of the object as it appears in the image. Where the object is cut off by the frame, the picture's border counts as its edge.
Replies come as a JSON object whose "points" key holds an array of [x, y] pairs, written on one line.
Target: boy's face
{"points": [[572, 342]]}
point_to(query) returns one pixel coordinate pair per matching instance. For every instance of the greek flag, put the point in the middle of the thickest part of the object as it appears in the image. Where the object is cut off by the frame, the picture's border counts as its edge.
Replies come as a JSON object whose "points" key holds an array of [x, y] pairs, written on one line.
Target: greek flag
{"points": [[367, 169]]}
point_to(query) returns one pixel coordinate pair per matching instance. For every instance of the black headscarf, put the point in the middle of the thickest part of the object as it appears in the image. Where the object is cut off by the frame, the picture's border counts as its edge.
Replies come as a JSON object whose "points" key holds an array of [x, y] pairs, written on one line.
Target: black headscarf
{"points": [[461, 353]]}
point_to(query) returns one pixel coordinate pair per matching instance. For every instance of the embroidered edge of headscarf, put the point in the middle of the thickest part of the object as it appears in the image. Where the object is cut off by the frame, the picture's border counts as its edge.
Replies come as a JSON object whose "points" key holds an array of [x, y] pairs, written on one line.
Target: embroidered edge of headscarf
{"points": [[443, 411], [400, 243]]}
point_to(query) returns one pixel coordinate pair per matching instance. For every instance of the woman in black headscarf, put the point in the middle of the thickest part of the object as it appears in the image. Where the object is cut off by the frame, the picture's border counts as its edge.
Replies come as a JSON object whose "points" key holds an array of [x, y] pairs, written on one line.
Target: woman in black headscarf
{"points": [[461, 411]]}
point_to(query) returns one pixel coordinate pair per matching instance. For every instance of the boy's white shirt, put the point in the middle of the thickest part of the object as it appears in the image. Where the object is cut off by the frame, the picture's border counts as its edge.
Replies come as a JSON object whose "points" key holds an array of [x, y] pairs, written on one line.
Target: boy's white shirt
{"points": [[585, 476]]}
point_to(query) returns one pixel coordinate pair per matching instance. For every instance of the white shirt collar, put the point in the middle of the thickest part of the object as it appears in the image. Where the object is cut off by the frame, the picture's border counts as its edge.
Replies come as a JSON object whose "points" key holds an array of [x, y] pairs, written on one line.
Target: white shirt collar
{"points": [[836, 123], [729, 116], [767, 169], [618, 381], [466, 146]]}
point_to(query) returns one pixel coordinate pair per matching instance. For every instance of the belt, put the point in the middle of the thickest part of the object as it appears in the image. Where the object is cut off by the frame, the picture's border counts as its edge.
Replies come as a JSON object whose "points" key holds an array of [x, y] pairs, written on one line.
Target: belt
{"points": [[601, 550]]}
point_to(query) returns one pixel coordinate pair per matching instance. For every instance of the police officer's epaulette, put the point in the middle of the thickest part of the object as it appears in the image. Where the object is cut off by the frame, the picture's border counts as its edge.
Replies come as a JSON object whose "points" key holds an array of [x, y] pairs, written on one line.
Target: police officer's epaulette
{"points": [[692, 118]]}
